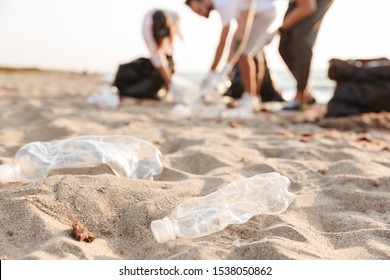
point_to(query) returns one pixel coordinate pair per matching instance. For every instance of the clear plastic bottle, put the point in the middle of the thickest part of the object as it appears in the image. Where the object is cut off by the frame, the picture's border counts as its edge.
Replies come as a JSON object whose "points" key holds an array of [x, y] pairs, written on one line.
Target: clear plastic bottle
{"points": [[214, 88], [181, 111], [207, 111], [106, 98], [237, 114], [127, 157], [183, 90], [234, 204]]}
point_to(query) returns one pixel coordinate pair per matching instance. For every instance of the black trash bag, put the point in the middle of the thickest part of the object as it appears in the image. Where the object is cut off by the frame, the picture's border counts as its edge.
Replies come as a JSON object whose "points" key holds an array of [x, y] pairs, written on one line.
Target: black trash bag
{"points": [[268, 91], [362, 86], [140, 79]]}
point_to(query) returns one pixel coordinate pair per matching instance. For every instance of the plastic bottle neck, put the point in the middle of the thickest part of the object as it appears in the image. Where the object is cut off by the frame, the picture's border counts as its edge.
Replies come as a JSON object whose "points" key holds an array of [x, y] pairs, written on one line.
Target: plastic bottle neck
{"points": [[163, 230], [7, 173]]}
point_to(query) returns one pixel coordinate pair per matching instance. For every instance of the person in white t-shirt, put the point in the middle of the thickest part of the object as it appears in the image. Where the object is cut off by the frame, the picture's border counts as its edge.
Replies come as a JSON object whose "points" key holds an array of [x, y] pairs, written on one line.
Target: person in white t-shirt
{"points": [[254, 18], [159, 30], [147, 77]]}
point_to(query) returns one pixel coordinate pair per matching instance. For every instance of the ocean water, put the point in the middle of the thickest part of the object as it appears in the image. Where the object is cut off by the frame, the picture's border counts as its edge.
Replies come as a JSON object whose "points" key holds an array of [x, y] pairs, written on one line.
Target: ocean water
{"points": [[322, 88]]}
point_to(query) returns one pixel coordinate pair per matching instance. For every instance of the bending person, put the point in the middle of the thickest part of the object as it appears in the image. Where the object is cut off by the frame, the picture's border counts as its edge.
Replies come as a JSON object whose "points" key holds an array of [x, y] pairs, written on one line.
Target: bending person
{"points": [[143, 78], [254, 17]]}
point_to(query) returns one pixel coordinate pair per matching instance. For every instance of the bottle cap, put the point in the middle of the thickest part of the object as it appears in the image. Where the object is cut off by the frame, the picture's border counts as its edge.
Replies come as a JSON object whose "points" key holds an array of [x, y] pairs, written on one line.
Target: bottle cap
{"points": [[6, 173], [163, 230]]}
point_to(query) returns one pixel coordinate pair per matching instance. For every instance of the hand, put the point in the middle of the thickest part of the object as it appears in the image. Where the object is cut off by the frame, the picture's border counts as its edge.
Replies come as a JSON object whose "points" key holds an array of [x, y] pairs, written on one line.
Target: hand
{"points": [[216, 86], [223, 80], [173, 93], [285, 34], [225, 70], [208, 80]]}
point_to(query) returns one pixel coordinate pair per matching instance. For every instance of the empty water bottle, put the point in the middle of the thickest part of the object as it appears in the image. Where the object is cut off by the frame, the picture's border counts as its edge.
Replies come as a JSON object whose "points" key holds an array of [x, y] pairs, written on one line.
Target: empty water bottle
{"points": [[214, 87], [181, 111], [237, 114], [107, 97], [207, 111], [183, 91], [234, 204], [127, 157]]}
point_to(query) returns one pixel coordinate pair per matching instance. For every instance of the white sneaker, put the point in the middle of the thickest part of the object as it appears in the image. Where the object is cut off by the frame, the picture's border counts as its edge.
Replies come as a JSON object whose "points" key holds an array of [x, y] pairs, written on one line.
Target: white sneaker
{"points": [[249, 102]]}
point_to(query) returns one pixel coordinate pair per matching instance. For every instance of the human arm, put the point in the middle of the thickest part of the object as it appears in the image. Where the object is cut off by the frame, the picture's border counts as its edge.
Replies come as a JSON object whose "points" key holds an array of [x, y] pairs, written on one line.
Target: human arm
{"points": [[221, 47], [166, 74], [157, 57], [303, 9], [160, 62]]}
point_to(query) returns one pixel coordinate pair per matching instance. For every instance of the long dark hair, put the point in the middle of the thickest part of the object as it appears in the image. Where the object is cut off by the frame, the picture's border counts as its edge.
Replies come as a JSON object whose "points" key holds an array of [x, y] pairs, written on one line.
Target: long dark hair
{"points": [[161, 27]]}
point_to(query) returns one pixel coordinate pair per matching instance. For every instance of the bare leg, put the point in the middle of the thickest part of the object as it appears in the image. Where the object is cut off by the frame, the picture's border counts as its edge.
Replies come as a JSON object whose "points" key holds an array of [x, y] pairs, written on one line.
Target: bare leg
{"points": [[304, 97], [260, 73], [248, 73]]}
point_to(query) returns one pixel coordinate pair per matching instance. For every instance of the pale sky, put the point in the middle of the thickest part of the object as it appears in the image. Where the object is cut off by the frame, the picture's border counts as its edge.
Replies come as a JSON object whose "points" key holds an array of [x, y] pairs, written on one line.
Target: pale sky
{"points": [[98, 35]]}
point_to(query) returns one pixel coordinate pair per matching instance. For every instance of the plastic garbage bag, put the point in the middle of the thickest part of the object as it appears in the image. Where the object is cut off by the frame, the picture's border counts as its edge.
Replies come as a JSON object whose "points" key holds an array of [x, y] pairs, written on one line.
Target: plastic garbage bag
{"points": [[362, 86]]}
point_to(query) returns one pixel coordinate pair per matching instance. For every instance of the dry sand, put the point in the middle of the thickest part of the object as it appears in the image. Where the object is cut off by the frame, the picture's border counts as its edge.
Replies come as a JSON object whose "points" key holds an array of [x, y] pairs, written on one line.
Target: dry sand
{"points": [[339, 169]]}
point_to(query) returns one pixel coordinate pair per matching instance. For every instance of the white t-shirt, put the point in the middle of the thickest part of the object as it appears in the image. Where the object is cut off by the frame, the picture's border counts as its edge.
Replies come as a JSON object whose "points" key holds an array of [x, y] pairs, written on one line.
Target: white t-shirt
{"points": [[158, 55], [230, 9]]}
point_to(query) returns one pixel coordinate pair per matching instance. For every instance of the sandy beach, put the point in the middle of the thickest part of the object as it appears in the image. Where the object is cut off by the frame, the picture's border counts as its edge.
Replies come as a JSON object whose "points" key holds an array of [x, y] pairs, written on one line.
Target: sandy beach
{"points": [[339, 171]]}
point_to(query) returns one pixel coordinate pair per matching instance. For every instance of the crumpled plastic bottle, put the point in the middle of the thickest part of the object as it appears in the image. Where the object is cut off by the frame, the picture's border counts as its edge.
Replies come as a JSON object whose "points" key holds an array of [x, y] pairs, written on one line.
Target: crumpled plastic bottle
{"points": [[234, 204], [106, 98], [183, 90], [241, 114], [214, 88], [181, 111], [189, 103], [127, 157]]}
